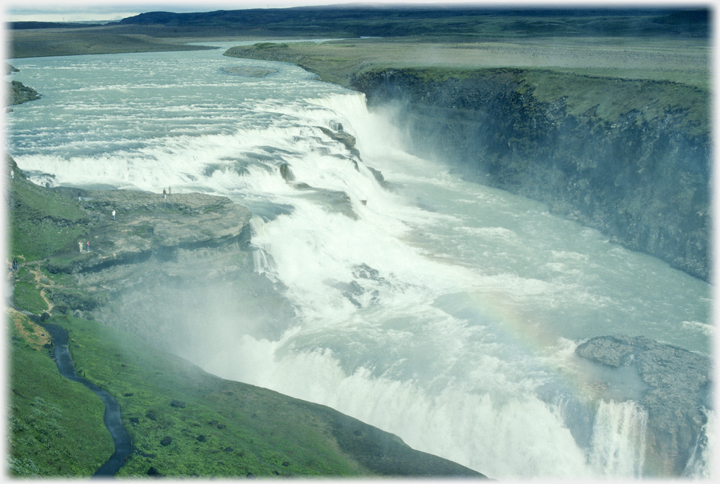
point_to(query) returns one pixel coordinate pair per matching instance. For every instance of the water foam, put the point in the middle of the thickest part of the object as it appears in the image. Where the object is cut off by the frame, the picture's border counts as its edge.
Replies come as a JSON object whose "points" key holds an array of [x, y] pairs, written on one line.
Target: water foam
{"points": [[514, 437]]}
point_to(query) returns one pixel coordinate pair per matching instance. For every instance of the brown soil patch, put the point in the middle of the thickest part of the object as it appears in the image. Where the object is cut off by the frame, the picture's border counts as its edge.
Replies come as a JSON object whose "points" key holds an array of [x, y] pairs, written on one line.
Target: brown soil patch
{"points": [[32, 333]]}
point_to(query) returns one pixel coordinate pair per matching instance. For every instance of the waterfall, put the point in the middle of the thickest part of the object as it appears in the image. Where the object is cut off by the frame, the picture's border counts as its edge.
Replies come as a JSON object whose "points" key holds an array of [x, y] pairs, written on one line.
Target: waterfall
{"points": [[443, 311], [701, 462], [618, 443]]}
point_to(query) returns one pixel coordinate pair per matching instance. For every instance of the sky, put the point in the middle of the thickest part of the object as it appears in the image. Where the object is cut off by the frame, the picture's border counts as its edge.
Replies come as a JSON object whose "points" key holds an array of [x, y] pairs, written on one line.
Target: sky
{"points": [[80, 10], [85, 10]]}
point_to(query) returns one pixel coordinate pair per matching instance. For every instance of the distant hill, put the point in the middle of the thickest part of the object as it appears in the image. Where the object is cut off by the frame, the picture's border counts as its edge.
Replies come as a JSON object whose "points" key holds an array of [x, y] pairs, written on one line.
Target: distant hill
{"points": [[392, 21], [52, 25], [398, 20]]}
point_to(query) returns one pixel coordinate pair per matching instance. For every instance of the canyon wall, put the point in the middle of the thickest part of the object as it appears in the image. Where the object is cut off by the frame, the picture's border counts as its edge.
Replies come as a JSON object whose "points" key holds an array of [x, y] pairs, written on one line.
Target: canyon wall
{"points": [[630, 158]]}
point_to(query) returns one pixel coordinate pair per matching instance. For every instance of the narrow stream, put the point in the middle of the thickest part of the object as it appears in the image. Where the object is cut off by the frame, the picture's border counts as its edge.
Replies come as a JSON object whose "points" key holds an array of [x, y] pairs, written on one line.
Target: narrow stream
{"points": [[112, 418]]}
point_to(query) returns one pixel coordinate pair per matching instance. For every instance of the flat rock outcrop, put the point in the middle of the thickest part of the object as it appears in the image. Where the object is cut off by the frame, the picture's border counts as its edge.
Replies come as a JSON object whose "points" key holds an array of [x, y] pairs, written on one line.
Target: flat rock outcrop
{"points": [[679, 383], [147, 224]]}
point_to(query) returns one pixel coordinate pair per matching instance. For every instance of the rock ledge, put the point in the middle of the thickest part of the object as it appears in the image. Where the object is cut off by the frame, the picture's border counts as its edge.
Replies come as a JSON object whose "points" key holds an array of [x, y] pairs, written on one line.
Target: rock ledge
{"points": [[147, 224]]}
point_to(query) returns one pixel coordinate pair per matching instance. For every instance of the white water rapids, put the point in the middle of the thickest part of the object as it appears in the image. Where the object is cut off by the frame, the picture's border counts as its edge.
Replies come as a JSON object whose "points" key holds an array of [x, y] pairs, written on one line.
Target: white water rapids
{"points": [[440, 310]]}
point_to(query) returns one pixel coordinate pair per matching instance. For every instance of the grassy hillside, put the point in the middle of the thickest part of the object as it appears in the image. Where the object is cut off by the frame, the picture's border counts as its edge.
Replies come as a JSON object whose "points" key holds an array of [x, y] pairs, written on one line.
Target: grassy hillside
{"points": [[43, 222], [216, 428], [56, 426], [438, 20], [87, 40]]}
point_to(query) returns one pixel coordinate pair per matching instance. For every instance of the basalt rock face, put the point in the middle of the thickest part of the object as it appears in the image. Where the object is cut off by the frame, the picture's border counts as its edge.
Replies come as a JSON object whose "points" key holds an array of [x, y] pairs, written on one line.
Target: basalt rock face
{"points": [[679, 391], [643, 180]]}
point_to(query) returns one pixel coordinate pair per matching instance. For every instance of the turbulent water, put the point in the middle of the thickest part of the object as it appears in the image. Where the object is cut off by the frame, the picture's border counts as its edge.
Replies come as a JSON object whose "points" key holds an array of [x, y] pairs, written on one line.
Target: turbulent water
{"points": [[443, 311]]}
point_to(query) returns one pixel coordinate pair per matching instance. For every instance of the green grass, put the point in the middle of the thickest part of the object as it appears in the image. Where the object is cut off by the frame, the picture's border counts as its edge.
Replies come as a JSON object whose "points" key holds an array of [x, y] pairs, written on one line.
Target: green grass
{"points": [[27, 296], [685, 61], [224, 429], [244, 429], [42, 222], [615, 97], [56, 426]]}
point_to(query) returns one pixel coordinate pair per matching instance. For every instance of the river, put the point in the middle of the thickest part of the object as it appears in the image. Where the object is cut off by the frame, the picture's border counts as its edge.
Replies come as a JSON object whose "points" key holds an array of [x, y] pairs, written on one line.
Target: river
{"points": [[437, 309]]}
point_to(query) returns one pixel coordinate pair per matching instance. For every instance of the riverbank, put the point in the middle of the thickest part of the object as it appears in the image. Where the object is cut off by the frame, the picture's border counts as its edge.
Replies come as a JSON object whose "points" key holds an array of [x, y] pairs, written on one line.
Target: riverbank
{"points": [[183, 422]]}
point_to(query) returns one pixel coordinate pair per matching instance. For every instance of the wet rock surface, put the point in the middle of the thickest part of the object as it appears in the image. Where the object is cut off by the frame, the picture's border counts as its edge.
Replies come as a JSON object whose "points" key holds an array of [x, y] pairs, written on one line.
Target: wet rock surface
{"points": [[17, 92], [679, 391], [342, 137]]}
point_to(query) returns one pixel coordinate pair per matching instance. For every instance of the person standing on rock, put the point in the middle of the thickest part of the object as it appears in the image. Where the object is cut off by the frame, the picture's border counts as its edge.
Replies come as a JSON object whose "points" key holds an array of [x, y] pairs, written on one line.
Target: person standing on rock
{"points": [[79, 197], [164, 193], [80, 246], [113, 214], [88, 246]]}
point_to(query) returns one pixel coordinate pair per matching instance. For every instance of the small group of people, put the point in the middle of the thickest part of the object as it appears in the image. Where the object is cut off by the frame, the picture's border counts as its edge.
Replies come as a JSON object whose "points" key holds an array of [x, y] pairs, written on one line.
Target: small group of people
{"points": [[80, 246], [13, 266], [166, 192]]}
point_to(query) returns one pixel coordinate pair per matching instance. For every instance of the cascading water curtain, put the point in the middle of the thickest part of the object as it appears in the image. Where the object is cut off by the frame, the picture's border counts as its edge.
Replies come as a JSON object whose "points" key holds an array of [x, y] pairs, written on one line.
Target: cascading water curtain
{"points": [[618, 442]]}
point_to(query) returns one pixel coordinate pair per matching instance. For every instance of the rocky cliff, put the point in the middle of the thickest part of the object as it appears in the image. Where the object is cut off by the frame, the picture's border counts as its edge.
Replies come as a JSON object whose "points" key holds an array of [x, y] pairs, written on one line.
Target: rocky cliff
{"points": [[630, 158]]}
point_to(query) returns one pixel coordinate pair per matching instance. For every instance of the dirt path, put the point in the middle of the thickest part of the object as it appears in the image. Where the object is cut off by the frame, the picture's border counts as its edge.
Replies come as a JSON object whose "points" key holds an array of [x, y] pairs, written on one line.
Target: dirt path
{"points": [[34, 269]]}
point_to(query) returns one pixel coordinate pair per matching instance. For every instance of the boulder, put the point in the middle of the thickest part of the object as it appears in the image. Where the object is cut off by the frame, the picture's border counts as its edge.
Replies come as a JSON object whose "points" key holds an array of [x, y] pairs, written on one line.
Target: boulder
{"points": [[20, 93], [679, 392]]}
